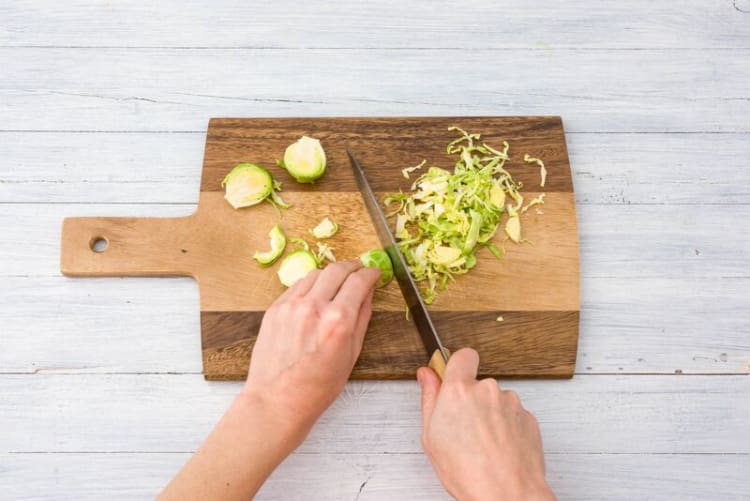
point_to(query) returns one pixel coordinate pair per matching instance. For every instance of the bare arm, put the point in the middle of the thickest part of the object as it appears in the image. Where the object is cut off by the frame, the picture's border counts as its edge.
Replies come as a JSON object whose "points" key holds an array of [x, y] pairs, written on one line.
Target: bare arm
{"points": [[308, 343]]}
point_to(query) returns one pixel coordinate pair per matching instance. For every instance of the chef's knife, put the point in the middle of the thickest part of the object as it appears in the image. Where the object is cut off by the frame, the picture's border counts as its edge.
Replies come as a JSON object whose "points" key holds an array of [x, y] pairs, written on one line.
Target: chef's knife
{"points": [[436, 352]]}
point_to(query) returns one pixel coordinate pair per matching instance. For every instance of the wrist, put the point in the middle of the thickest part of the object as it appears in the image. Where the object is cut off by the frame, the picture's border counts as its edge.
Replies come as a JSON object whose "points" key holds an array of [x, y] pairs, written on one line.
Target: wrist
{"points": [[278, 417]]}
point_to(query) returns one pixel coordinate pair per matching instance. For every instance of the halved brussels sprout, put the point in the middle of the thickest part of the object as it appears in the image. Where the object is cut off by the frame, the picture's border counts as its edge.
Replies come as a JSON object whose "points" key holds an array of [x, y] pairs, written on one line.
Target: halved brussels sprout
{"points": [[278, 242], [378, 258], [296, 266], [305, 160], [247, 184]]}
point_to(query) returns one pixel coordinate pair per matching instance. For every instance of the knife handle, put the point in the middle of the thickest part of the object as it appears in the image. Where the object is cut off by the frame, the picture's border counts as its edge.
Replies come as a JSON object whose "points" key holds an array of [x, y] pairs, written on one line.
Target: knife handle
{"points": [[437, 363]]}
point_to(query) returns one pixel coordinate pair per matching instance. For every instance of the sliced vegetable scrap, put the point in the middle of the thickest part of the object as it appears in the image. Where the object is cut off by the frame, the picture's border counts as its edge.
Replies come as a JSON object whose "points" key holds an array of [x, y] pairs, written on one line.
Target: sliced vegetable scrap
{"points": [[325, 252], [408, 170], [449, 215], [542, 170], [513, 225], [305, 160], [301, 242], [278, 243], [276, 198], [534, 201], [325, 229]]}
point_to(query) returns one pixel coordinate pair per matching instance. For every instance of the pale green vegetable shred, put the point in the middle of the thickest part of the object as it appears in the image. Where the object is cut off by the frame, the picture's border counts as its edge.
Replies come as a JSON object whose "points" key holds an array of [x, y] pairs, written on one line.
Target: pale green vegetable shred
{"points": [[449, 216]]}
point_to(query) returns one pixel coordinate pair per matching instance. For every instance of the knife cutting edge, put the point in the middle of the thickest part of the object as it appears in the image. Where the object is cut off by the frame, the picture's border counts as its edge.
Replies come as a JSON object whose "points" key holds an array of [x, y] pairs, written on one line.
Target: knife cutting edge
{"points": [[437, 353]]}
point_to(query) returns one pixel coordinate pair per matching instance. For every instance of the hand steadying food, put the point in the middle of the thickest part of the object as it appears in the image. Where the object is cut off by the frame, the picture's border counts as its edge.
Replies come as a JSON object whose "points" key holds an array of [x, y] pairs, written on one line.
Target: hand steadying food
{"points": [[481, 442]]}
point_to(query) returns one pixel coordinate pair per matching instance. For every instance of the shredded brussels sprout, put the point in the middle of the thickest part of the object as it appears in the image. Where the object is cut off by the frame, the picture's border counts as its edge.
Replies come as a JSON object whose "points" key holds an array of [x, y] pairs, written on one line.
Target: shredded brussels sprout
{"points": [[325, 251], [534, 201], [448, 216], [542, 170], [409, 170]]}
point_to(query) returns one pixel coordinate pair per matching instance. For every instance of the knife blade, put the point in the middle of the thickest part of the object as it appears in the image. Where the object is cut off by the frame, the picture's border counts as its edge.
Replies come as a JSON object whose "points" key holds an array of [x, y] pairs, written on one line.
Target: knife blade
{"points": [[436, 352]]}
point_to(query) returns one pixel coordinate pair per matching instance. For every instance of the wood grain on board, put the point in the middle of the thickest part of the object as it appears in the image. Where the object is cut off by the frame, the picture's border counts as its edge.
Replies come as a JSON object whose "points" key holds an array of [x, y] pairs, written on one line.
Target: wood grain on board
{"points": [[535, 287]]}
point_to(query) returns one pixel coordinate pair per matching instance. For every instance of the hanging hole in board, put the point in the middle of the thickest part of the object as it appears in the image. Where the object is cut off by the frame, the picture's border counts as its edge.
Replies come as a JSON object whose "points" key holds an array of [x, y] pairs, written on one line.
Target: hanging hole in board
{"points": [[99, 244]]}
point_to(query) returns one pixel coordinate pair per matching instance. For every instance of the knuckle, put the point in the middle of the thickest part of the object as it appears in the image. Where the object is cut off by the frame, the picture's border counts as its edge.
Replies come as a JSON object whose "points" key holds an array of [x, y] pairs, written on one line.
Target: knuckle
{"points": [[489, 385], [336, 321], [302, 308], [335, 313], [512, 398]]}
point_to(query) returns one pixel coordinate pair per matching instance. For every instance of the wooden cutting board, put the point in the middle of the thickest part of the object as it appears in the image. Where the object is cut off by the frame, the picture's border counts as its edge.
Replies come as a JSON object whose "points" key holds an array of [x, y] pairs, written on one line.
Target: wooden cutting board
{"points": [[535, 287]]}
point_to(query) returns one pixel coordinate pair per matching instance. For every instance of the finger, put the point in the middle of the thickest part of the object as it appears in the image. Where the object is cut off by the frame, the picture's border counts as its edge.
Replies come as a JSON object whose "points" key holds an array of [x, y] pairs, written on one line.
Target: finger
{"points": [[301, 287], [357, 287], [462, 366], [430, 383], [363, 319], [331, 278]]}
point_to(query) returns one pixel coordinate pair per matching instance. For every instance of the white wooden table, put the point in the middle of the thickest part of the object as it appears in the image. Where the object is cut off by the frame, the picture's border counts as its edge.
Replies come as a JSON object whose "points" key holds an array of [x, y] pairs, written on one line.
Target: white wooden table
{"points": [[103, 111]]}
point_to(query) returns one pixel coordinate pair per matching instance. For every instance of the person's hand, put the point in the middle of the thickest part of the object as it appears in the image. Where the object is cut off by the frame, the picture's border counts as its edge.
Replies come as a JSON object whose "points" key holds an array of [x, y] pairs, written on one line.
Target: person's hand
{"points": [[480, 440], [309, 340]]}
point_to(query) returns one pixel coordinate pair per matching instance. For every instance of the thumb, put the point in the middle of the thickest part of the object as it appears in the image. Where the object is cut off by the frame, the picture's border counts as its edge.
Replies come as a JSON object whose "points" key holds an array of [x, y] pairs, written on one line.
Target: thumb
{"points": [[430, 383]]}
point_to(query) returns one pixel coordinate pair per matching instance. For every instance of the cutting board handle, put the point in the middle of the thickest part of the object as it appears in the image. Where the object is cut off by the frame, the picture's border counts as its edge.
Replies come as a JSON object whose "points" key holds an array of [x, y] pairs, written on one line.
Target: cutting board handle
{"points": [[126, 246]]}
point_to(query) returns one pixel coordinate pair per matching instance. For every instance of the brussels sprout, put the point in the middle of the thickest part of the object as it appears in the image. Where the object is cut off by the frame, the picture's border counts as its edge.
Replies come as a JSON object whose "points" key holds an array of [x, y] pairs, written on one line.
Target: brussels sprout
{"points": [[296, 266], [378, 258], [278, 242], [246, 185], [305, 160], [325, 229]]}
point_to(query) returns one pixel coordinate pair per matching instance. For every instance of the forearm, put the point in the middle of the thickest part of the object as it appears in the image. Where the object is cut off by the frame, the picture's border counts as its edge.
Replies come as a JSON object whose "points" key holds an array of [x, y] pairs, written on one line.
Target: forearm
{"points": [[244, 448]]}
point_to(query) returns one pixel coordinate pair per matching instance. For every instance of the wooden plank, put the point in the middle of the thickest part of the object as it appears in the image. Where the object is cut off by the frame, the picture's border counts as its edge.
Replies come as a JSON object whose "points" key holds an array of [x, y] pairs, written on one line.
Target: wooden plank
{"points": [[177, 90], [588, 414], [165, 168], [377, 476], [628, 325], [615, 240], [543, 24]]}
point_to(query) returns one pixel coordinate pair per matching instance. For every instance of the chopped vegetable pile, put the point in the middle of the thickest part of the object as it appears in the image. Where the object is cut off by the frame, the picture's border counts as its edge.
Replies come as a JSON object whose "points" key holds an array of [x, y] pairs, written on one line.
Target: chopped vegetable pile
{"points": [[448, 215]]}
